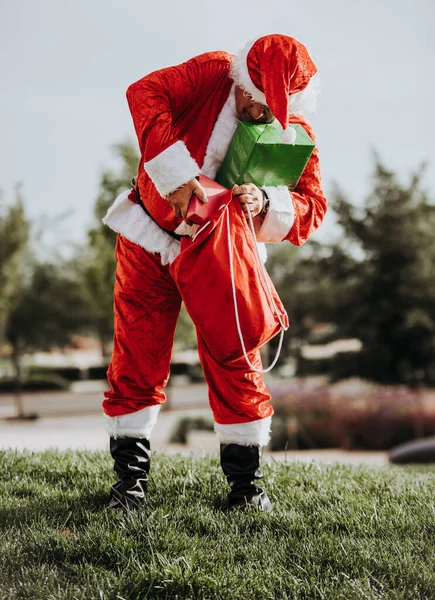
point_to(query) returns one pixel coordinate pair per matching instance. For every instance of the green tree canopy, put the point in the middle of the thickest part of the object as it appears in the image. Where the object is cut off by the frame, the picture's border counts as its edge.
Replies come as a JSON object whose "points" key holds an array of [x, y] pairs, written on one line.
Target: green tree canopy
{"points": [[391, 304], [96, 264], [48, 309], [376, 282], [14, 236]]}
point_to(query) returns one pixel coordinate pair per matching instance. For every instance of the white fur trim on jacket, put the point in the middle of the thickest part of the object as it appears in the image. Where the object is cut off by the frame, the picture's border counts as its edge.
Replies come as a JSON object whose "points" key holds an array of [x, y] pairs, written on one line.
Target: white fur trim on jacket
{"points": [[132, 222], [280, 216], [255, 433], [134, 425], [172, 168], [221, 136]]}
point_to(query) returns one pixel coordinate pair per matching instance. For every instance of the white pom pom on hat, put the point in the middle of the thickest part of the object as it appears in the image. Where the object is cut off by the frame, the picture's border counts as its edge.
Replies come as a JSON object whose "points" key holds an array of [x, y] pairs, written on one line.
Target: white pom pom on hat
{"points": [[288, 136]]}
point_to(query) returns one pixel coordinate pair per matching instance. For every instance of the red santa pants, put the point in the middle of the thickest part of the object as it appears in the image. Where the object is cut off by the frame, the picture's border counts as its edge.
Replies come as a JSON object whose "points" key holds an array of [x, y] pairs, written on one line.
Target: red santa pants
{"points": [[147, 304]]}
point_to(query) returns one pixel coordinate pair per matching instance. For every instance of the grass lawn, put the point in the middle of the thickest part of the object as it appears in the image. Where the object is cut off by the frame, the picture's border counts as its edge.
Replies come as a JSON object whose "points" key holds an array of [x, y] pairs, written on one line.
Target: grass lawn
{"points": [[337, 532]]}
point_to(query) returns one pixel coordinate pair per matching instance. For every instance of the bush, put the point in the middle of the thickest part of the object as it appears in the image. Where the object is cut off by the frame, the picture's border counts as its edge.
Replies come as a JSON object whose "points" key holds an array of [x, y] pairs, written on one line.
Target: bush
{"points": [[36, 383], [384, 420], [196, 374], [179, 368], [182, 428], [303, 429], [280, 438], [98, 372], [69, 373], [378, 420]]}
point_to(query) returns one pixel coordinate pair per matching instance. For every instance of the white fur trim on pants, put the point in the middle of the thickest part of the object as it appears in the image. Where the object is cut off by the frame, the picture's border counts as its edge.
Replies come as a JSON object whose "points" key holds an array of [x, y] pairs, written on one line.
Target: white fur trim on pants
{"points": [[134, 425], [132, 222], [280, 216], [254, 433], [172, 168]]}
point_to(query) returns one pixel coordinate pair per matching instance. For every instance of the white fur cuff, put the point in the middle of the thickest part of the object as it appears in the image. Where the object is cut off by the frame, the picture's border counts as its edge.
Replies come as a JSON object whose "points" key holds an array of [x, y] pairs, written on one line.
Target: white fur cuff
{"points": [[134, 425], [280, 216], [254, 433], [172, 168]]}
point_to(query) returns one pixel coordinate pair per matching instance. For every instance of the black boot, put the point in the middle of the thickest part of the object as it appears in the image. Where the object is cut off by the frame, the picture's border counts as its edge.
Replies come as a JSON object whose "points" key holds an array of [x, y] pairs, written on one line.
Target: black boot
{"points": [[241, 465], [132, 464]]}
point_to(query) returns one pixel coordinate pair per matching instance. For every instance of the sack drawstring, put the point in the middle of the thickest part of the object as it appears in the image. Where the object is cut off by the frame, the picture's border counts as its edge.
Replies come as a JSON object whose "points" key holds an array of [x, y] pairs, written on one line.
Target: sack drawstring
{"points": [[269, 291]]}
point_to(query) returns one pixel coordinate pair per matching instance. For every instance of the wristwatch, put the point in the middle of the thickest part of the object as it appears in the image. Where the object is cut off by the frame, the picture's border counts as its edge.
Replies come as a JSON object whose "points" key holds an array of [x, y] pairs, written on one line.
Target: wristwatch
{"points": [[266, 204]]}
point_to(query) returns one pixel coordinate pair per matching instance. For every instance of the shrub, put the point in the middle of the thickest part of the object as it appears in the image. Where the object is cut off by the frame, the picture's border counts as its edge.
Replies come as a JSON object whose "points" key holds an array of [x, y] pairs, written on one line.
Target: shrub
{"points": [[196, 374], [36, 383], [98, 372], [376, 420], [184, 425], [69, 373]]}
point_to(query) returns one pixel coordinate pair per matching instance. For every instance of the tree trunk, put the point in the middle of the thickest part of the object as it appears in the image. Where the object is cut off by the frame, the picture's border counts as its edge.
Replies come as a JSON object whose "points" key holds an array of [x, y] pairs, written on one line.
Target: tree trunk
{"points": [[18, 380], [105, 347]]}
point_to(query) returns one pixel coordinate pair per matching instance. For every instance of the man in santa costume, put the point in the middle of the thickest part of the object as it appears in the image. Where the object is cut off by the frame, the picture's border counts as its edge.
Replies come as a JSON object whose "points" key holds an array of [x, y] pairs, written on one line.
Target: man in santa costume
{"points": [[185, 117]]}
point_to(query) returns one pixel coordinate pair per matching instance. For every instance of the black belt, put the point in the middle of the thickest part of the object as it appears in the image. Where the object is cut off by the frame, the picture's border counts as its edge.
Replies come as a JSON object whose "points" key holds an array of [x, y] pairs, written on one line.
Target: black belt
{"points": [[142, 205]]}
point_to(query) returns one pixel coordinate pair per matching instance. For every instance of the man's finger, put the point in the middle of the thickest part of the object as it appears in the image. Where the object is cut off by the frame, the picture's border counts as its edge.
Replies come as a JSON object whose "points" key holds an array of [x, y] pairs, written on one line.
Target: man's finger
{"points": [[243, 189], [199, 192], [239, 191], [246, 199]]}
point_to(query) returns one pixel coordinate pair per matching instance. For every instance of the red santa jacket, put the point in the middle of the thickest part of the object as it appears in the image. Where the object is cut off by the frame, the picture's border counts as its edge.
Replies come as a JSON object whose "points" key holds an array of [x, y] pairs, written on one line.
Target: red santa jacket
{"points": [[174, 112]]}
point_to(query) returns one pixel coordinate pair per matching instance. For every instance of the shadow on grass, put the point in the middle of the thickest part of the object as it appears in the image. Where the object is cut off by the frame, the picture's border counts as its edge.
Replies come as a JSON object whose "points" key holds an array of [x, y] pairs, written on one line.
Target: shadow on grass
{"points": [[73, 508]]}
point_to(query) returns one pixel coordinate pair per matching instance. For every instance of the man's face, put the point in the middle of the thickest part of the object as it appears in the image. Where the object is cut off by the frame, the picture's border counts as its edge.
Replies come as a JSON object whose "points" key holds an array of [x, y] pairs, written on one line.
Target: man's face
{"points": [[250, 111]]}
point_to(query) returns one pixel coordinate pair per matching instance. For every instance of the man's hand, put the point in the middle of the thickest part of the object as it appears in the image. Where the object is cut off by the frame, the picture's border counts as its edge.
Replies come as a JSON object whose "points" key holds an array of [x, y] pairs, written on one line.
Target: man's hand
{"points": [[249, 195], [179, 200]]}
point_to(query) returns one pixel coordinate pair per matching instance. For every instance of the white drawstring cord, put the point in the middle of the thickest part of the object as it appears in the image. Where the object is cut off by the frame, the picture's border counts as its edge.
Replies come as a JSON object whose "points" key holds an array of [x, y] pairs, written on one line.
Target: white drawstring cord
{"points": [[236, 310], [264, 273], [195, 235]]}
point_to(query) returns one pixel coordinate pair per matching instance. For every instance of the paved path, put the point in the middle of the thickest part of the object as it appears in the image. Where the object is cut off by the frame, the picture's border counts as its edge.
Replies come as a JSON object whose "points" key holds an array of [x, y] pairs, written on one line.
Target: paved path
{"points": [[87, 432], [86, 398]]}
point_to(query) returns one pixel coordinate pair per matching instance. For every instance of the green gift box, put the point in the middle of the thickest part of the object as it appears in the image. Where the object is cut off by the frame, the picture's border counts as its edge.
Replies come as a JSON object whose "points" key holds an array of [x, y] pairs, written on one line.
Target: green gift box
{"points": [[258, 155]]}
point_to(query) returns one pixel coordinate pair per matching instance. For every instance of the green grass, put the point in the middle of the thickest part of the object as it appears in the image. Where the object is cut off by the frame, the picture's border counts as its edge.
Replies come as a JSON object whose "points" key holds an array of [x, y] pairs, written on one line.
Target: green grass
{"points": [[337, 532]]}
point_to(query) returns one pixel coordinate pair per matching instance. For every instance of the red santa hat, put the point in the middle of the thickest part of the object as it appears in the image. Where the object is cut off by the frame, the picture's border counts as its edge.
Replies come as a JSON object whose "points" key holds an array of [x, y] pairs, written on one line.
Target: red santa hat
{"points": [[273, 69]]}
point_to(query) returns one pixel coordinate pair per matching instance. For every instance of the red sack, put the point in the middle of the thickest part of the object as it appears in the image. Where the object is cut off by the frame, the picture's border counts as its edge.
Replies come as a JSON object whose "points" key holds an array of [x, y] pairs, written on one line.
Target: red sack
{"points": [[203, 276]]}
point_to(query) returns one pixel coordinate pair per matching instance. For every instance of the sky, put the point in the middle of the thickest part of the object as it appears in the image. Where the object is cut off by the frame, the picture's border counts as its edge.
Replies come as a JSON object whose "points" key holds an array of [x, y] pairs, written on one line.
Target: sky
{"points": [[65, 66]]}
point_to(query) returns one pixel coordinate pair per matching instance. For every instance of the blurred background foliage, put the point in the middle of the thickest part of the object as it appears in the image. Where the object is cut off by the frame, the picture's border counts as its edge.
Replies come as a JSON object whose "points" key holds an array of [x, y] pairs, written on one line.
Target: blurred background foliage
{"points": [[374, 282]]}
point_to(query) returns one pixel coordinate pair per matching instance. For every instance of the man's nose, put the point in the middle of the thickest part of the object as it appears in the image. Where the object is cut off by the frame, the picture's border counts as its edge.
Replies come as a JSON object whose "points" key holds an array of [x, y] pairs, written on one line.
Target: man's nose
{"points": [[257, 111]]}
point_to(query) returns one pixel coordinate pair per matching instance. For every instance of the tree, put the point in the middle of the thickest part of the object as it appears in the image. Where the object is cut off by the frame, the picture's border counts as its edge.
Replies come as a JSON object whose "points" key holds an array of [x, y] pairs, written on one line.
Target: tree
{"points": [[376, 282], [14, 236], [41, 303], [390, 305], [308, 289], [96, 272], [48, 309], [96, 266]]}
